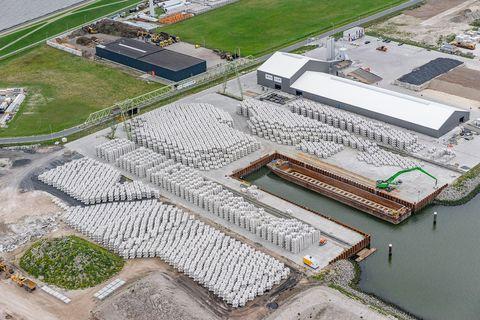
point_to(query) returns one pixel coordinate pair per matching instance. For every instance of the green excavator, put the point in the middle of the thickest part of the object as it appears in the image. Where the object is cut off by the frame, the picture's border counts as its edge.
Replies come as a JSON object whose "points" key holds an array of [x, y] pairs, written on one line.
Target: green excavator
{"points": [[390, 184]]}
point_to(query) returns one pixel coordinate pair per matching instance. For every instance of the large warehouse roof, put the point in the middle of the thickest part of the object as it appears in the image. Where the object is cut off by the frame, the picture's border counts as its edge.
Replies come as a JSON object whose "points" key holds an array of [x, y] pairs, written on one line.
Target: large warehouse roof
{"points": [[171, 60], [152, 54], [131, 48], [397, 105], [284, 64]]}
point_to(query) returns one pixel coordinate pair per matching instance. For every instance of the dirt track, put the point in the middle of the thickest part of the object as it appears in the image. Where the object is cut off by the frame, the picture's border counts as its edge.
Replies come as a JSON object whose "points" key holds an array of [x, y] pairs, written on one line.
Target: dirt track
{"points": [[431, 22], [432, 8]]}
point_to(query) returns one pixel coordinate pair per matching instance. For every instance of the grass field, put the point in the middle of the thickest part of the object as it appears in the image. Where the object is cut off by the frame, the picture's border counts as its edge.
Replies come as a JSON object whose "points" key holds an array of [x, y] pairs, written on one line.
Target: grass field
{"points": [[62, 89], [60, 23], [70, 262], [260, 26]]}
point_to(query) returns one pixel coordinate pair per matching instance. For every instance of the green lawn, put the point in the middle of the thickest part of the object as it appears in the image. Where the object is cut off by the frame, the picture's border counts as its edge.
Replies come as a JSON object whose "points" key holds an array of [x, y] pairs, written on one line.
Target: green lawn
{"points": [[260, 26], [70, 262], [55, 25], [63, 89]]}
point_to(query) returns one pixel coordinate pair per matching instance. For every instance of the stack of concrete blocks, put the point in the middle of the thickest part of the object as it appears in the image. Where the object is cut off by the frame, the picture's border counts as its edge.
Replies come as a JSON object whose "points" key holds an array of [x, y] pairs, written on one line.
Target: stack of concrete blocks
{"points": [[114, 149], [187, 183], [232, 270], [196, 135], [322, 149], [444, 155], [140, 161], [90, 182], [353, 123], [279, 125], [382, 158], [307, 121]]}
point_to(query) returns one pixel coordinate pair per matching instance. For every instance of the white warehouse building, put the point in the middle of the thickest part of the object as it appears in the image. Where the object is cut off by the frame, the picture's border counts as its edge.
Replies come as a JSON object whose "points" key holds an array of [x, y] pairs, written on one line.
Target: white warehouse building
{"points": [[311, 79]]}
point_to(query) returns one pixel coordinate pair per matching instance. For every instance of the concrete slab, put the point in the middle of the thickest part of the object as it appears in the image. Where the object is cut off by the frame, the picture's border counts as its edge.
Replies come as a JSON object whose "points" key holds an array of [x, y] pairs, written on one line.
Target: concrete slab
{"points": [[213, 60]]}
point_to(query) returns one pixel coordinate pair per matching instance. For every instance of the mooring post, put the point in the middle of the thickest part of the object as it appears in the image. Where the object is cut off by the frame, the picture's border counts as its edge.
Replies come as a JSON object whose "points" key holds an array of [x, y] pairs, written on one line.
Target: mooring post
{"points": [[390, 250], [435, 217]]}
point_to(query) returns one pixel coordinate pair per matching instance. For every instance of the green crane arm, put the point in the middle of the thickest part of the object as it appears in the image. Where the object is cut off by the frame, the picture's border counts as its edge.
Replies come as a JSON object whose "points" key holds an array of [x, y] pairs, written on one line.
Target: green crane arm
{"points": [[395, 176]]}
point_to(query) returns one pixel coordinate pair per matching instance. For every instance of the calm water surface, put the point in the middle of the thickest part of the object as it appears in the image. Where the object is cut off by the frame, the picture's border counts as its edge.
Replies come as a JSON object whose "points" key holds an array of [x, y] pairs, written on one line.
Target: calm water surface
{"points": [[435, 270]]}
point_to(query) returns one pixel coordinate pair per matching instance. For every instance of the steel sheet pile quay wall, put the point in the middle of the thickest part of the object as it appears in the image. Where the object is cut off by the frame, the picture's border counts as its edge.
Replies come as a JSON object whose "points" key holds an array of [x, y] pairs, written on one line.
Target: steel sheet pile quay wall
{"points": [[187, 183], [114, 149], [197, 135], [90, 182], [322, 149], [229, 268], [292, 128]]}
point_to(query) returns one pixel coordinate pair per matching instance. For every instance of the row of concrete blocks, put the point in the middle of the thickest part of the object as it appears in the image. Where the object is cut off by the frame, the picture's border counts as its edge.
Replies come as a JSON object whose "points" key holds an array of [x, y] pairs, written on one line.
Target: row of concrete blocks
{"points": [[113, 149], [198, 135], [384, 158], [353, 123], [90, 182], [230, 269], [324, 149], [190, 185]]}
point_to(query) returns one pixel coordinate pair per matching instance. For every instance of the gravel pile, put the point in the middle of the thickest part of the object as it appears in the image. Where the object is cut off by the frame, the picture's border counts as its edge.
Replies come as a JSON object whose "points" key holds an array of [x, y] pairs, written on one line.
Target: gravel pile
{"points": [[155, 297], [16, 234], [456, 193]]}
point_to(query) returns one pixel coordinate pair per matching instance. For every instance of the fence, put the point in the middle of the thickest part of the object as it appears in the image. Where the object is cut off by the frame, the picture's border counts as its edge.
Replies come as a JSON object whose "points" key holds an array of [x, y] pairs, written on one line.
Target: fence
{"points": [[54, 44]]}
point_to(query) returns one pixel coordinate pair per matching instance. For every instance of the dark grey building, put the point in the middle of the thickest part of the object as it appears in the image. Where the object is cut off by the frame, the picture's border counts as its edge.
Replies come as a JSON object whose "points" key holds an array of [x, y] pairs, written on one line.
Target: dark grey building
{"points": [[152, 59]]}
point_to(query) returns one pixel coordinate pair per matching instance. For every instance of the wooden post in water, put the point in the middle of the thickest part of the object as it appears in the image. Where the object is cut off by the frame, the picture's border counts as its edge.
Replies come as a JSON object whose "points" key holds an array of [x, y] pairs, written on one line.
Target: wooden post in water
{"points": [[390, 250], [435, 217]]}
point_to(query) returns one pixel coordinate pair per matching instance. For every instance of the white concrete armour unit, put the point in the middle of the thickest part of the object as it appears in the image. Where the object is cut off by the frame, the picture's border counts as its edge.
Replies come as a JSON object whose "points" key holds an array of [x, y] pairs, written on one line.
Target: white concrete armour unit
{"points": [[90, 182], [314, 123], [113, 149], [187, 183], [197, 135], [307, 77], [229, 268]]}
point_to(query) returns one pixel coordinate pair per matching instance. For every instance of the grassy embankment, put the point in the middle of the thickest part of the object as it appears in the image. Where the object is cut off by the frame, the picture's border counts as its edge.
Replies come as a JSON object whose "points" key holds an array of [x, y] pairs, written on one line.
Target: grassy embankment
{"points": [[70, 262], [261, 26], [62, 89], [52, 26]]}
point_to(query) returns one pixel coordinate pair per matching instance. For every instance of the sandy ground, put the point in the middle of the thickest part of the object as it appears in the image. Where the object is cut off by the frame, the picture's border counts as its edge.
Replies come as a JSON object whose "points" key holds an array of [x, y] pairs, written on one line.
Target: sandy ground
{"points": [[432, 8], [155, 296], [41, 306], [429, 22], [463, 82], [16, 205], [324, 303]]}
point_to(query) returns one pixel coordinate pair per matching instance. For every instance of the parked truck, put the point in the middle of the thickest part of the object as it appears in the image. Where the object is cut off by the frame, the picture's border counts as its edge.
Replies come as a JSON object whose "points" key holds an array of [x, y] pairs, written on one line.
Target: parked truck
{"points": [[311, 262]]}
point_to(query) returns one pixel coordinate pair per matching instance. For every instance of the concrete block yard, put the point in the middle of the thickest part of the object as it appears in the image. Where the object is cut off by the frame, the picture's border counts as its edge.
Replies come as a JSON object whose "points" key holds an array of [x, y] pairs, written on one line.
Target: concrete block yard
{"points": [[239, 159]]}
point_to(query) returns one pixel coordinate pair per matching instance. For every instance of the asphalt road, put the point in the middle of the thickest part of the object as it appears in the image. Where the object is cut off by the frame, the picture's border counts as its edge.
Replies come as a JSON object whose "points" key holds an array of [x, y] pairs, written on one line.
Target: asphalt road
{"points": [[69, 131]]}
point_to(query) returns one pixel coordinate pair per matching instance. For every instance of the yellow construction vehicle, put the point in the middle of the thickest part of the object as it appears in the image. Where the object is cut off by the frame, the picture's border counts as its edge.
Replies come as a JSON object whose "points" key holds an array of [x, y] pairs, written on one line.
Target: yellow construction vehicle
{"points": [[143, 34], [3, 267], [21, 281], [156, 38], [90, 29], [464, 44]]}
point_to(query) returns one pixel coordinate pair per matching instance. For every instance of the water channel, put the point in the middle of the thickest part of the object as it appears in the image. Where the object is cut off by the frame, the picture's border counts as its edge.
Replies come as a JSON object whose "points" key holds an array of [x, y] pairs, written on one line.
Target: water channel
{"points": [[435, 269]]}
